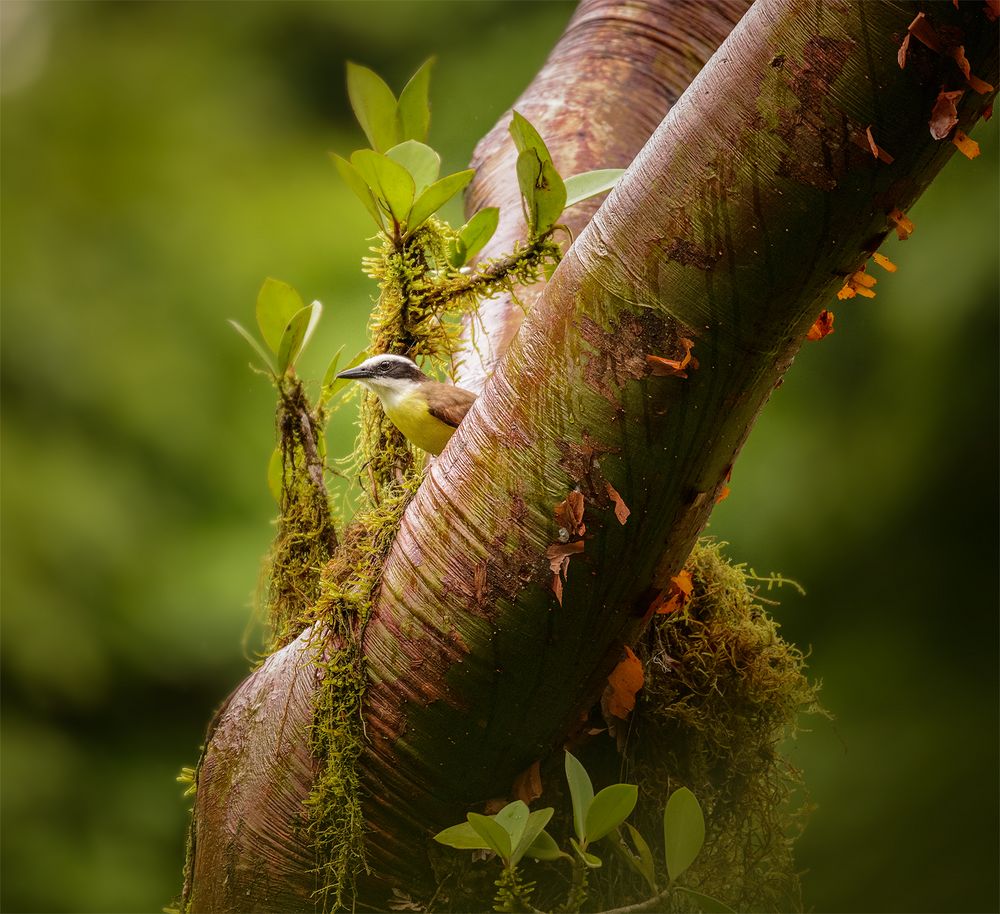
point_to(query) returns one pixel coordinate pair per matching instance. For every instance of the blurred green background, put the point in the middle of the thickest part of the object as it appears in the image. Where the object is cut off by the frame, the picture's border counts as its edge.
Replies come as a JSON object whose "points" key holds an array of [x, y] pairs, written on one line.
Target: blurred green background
{"points": [[159, 160]]}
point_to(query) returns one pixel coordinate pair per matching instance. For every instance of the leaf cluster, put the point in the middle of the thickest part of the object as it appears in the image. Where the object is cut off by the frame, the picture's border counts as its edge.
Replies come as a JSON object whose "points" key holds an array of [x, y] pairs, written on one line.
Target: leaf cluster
{"points": [[514, 833]]}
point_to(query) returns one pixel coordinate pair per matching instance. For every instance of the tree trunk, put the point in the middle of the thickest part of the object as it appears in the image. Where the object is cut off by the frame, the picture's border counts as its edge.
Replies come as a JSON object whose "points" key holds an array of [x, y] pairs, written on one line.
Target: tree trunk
{"points": [[736, 224]]}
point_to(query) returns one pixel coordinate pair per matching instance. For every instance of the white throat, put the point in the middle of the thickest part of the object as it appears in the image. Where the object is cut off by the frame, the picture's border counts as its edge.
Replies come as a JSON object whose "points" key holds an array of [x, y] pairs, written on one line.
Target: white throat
{"points": [[391, 391]]}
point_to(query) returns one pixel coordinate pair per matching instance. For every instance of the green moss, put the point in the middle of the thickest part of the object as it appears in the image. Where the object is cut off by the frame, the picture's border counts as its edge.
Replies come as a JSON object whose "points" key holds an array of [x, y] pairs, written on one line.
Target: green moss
{"points": [[723, 689], [306, 536], [421, 299]]}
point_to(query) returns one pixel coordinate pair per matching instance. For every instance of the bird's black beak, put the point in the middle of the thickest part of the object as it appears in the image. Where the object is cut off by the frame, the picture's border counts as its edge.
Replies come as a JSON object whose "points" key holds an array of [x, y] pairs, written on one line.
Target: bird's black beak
{"points": [[353, 374]]}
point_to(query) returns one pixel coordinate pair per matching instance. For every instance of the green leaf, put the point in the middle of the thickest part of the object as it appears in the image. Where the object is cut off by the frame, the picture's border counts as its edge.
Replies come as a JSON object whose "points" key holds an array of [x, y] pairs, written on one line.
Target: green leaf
{"points": [[352, 178], [335, 384], [457, 254], [526, 137], [374, 106], [260, 350], [277, 301], [707, 903], [544, 847], [462, 836], [683, 831], [439, 193], [581, 792], [645, 862], [532, 828], [512, 818], [612, 806], [276, 474], [330, 375], [590, 859], [589, 183], [478, 230], [413, 113], [422, 162], [529, 172], [296, 334], [550, 198], [494, 834], [390, 182]]}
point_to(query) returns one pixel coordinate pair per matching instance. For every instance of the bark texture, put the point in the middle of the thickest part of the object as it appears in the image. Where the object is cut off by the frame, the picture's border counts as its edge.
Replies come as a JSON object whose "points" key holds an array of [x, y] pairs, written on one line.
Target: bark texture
{"points": [[735, 225], [606, 86]]}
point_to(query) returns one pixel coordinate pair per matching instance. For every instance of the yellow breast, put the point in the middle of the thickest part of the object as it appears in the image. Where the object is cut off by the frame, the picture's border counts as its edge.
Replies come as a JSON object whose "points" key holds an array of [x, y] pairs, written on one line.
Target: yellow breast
{"points": [[410, 415]]}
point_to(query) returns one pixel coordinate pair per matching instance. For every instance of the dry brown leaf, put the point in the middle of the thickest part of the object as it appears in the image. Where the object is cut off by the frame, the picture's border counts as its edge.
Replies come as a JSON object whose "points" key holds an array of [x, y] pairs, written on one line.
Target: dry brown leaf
{"points": [[559, 555], [622, 510], [663, 368], [877, 150], [968, 147], [975, 83], [904, 226], [569, 513], [675, 597], [944, 115], [903, 48], [528, 784], [992, 10], [846, 291], [884, 262], [922, 30], [723, 494], [822, 326], [625, 680]]}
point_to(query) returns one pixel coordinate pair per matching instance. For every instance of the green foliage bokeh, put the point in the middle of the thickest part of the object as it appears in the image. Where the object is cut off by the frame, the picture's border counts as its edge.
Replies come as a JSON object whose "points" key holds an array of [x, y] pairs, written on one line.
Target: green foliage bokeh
{"points": [[159, 160]]}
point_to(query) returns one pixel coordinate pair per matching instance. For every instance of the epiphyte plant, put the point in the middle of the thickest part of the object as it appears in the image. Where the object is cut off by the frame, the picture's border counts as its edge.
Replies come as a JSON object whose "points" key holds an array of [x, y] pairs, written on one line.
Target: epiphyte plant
{"points": [[514, 833]]}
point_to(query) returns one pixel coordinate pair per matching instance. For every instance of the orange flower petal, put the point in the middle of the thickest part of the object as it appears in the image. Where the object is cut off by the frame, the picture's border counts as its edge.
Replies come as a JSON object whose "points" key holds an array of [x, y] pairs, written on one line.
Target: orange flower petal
{"points": [[884, 262], [968, 147], [823, 326]]}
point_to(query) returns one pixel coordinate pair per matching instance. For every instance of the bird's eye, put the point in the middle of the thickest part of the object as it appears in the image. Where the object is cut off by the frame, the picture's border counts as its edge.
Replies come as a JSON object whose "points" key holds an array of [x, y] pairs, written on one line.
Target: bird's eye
{"points": [[385, 366]]}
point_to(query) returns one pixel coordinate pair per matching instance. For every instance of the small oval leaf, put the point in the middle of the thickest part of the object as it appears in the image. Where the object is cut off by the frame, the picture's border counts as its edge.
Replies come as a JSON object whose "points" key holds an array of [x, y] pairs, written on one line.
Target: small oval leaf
{"points": [[413, 112], [439, 193], [526, 137], [492, 832], [591, 860], [422, 162], [462, 836], [544, 847], [683, 831], [533, 827], [581, 791], [335, 385], [550, 198], [352, 178], [612, 806], [277, 301], [512, 818], [589, 183], [293, 338], [374, 106], [390, 182], [645, 862], [260, 350], [479, 230]]}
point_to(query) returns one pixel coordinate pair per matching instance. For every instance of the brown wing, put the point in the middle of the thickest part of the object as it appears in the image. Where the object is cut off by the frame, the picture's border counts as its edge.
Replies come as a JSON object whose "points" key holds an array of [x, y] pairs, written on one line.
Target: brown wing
{"points": [[447, 402]]}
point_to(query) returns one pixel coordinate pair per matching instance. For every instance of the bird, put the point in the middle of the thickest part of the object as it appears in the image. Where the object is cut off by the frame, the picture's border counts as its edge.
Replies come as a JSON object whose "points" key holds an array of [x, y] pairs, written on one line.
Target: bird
{"points": [[426, 411]]}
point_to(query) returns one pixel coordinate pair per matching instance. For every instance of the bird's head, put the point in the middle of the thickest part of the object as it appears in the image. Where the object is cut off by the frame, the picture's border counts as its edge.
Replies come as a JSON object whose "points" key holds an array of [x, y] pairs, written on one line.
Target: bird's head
{"points": [[385, 373]]}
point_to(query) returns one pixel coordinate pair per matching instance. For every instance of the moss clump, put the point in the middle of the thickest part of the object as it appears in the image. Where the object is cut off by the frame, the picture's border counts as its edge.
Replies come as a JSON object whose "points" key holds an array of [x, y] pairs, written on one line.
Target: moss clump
{"points": [[306, 537], [723, 689], [419, 301]]}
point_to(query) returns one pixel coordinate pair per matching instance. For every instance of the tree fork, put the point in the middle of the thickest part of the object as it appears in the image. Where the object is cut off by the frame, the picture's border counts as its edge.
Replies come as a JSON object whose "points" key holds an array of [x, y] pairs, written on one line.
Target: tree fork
{"points": [[753, 200]]}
